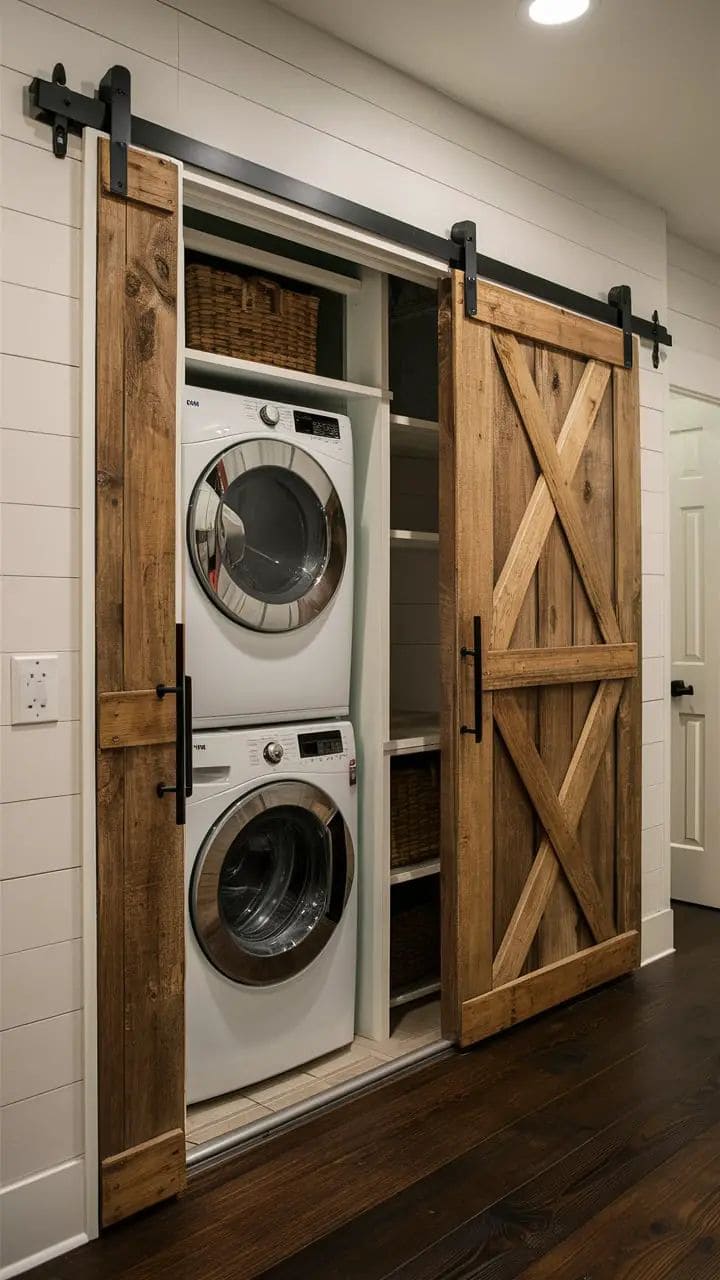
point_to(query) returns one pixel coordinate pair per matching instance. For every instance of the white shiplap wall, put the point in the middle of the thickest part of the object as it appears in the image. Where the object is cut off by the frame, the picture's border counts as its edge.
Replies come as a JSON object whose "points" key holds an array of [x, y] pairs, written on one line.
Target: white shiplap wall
{"points": [[246, 77]]}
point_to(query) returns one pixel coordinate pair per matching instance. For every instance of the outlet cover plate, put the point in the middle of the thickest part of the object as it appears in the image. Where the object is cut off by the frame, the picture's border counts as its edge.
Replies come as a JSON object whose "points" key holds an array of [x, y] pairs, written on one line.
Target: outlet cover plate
{"points": [[34, 688]]}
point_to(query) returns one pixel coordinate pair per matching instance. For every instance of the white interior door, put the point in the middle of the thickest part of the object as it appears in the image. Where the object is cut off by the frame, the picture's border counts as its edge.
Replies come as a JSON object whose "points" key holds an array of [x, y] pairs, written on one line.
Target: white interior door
{"points": [[695, 596]]}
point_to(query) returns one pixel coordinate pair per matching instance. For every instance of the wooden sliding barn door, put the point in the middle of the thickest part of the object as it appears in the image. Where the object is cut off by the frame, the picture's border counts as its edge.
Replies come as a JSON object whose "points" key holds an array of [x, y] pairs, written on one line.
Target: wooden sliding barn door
{"points": [[540, 619], [139, 846]]}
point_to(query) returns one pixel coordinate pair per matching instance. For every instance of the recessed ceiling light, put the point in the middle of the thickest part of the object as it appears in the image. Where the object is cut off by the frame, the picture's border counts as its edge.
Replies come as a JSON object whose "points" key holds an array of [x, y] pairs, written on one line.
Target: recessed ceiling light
{"points": [[551, 13]]}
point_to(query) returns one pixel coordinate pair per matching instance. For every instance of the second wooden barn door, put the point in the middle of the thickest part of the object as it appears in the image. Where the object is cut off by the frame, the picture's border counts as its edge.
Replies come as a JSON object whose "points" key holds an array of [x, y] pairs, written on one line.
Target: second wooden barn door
{"points": [[540, 609]]}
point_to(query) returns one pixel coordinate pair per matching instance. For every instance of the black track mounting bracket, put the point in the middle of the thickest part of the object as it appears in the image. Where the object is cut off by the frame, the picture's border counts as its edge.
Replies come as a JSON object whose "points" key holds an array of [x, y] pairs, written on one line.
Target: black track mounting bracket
{"points": [[621, 297], [69, 112], [464, 234]]}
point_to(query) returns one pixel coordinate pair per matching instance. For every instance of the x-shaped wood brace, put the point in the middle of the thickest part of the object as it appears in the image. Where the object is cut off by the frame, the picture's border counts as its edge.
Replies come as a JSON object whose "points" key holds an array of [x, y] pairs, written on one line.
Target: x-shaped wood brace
{"points": [[560, 814], [553, 492]]}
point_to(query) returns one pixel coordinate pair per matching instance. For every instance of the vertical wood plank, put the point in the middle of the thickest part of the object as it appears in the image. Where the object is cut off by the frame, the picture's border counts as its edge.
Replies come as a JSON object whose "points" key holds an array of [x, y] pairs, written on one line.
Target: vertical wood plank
{"points": [[466, 585], [561, 928], [109, 520], [628, 590]]}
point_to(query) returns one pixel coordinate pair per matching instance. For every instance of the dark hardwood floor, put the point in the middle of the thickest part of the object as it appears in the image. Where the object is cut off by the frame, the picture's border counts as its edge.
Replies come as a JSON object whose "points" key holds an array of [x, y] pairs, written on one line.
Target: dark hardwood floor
{"points": [[582, 1146]]}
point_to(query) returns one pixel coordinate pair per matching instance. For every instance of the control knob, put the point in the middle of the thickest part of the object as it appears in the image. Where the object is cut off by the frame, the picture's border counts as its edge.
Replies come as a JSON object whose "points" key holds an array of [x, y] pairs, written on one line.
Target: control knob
{"points": [[273, 752], [270, 415]]}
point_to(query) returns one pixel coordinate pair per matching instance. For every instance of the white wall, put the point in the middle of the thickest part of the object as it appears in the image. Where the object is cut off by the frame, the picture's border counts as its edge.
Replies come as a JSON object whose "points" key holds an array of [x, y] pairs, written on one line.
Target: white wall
{"points": [[253, 80]]}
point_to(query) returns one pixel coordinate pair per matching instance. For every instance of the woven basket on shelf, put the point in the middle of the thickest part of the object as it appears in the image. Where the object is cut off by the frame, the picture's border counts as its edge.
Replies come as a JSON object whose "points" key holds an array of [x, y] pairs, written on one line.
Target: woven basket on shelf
{"points": [[250, 318], [415, 937], [414, 808]]}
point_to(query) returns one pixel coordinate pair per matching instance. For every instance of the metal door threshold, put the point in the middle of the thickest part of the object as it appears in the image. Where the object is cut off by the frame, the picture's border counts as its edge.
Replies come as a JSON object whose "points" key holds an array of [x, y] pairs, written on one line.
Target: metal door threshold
{"points": [[236, 1139]]}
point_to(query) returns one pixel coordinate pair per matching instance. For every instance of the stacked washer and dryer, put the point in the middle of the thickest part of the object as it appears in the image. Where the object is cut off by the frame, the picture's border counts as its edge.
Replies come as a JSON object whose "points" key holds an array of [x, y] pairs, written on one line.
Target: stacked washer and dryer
{"points": [[272, 821]]}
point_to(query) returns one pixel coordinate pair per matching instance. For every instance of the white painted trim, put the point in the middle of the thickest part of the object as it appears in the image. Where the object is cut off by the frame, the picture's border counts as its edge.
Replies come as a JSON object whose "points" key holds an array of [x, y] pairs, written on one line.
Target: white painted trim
{"points": [[45, 1255], [87, 676], [249, 255], [230, 200], [657, 936]]}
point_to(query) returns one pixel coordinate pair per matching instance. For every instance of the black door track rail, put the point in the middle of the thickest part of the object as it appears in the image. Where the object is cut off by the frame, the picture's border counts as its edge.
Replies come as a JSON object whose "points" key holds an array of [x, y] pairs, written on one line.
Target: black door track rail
{"points": [[110, 112]]}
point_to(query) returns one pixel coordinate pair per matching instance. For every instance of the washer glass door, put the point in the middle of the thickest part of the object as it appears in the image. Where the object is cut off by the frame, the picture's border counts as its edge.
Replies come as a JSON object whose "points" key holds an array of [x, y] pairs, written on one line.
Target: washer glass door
{"points": [[267, 535], [271, 882]]}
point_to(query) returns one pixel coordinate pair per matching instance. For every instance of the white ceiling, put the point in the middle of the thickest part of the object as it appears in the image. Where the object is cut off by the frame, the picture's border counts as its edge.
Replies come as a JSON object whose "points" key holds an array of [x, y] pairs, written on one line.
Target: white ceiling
{"points": [[632, 90]]}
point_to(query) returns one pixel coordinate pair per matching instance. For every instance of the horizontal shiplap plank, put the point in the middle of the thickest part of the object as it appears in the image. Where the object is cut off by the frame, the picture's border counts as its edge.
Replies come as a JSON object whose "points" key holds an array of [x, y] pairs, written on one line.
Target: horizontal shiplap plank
{"points": [[33, 182], [41, 1132], [38, 615], [40, 254], [37, 395], [39, 760], [689, 258], [41, 1212], [36, 911], [40, 1056], [39, 325], [697, 335], [694, 297], [39, 541], [38, 469], [39, 835], [40, 983]]}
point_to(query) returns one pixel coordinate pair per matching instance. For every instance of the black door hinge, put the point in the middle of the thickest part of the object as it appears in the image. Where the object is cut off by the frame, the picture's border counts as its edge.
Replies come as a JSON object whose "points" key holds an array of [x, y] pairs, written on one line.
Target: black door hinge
{"points": [[464, 234], [621, 297]]}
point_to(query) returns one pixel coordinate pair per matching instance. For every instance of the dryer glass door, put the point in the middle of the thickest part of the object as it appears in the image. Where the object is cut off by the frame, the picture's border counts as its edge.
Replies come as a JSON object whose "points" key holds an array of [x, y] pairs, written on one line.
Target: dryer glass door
{"points": [[271, 882], [267, 535]]}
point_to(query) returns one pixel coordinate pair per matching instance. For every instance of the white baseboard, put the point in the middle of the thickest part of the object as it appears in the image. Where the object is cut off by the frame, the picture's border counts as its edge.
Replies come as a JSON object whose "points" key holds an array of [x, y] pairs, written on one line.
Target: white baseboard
{"points": [[45, 1255], [657, 936]]}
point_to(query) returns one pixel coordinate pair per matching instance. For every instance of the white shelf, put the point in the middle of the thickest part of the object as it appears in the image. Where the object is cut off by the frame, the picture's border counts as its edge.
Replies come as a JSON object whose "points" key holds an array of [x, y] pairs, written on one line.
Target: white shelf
{"points": [[416, 871], [413, 731], [414, 540], [413, 436], [207, 364], [406, 995]]}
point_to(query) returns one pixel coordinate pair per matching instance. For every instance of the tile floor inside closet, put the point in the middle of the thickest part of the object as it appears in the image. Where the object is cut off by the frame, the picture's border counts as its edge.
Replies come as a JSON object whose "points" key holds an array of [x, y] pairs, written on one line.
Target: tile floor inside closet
{"points": [[413, 1027]]}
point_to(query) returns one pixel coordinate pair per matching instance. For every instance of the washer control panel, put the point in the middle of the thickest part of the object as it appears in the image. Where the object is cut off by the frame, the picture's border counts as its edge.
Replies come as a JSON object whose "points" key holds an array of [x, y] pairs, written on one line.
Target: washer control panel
{"points": [[227, 758]]}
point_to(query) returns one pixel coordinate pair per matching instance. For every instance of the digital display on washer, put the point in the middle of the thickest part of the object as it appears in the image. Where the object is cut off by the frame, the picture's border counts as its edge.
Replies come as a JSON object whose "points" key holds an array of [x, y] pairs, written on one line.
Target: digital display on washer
{"points": [[315, 424], [320, 744]]}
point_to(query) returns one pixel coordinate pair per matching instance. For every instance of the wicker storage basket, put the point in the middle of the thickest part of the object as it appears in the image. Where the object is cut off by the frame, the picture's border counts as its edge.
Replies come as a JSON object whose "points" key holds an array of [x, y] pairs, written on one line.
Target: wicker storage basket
{"points": [[415, 933], [414, 808], [250, 318]]}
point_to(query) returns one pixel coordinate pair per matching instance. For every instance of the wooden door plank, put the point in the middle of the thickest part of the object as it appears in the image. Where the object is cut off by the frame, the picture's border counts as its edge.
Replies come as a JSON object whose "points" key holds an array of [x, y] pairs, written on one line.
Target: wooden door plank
{"points": [[552, 815], [535, 420], [514, 578], [573, 795], [518, 668], [465, 590], [151, 180], [547, 324], [628, 587], [109, 671], [134, 718], [534, 992]]}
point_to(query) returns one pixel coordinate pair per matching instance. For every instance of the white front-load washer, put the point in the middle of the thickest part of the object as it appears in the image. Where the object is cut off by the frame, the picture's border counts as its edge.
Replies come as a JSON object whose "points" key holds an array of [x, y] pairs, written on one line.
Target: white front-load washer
{"points": [[268, 500], [272, 902]]}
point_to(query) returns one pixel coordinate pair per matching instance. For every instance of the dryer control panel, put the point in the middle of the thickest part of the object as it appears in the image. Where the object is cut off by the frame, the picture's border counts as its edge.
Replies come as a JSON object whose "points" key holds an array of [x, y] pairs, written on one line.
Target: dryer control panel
{"points": [[228, 757]]}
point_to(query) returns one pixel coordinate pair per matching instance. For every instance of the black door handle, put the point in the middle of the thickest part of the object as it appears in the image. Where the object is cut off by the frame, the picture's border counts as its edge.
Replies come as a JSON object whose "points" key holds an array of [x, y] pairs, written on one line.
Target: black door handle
{"points": [[679, 689], [476, 654], [182, 689]]}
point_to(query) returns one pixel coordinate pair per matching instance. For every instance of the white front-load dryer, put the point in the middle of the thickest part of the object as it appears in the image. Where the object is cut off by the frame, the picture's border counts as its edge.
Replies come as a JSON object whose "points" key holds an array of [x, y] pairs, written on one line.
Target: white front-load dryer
{"points": [[272, 902], [268, 500]]}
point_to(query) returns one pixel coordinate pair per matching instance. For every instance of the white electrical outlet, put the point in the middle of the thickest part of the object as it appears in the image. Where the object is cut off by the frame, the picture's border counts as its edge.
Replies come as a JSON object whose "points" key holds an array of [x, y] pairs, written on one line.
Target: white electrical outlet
{"points": [[34, 686]]}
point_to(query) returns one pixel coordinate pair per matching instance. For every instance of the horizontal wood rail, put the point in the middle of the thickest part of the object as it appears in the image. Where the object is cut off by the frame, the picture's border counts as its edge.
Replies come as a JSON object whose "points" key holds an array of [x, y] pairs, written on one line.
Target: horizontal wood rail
{"points": [[522, 668], [545, 988], [135, 718]]}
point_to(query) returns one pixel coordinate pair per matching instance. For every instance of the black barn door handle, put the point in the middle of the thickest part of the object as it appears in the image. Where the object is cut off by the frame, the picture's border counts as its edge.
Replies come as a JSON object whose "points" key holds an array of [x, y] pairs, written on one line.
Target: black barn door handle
{"points": [[476, 654], [182, 689]]}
